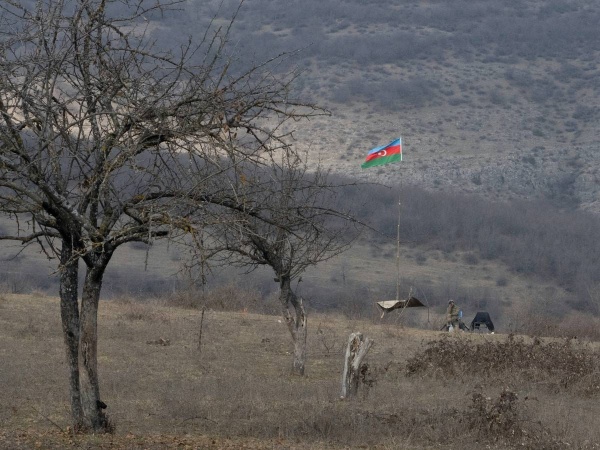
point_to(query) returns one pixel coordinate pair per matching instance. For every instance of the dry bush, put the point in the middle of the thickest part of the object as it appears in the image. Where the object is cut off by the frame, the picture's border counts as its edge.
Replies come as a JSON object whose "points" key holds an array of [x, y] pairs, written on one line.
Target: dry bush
{"points": [[327, 338], [495, 417], [506, 419], [561, 365]]}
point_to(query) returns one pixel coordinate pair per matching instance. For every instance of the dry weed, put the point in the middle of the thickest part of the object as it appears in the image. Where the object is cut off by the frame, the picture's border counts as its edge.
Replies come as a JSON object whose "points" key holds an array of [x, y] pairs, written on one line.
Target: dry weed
{"points": [[327, 338], [506, 419], [559, 364]]}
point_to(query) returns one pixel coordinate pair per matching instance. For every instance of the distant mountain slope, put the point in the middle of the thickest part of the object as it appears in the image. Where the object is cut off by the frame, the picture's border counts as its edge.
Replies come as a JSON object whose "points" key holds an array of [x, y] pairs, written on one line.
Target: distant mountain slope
{"points": [[499, 98]]}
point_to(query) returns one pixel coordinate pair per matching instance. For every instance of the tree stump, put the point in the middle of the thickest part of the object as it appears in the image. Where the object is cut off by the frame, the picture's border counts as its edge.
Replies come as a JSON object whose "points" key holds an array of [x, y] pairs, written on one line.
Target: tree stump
{"points": [[355, 353]]}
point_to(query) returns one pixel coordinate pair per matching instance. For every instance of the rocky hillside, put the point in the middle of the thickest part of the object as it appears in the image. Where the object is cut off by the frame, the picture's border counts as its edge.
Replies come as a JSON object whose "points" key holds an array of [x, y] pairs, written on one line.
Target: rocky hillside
{"points": [[496, 98]]}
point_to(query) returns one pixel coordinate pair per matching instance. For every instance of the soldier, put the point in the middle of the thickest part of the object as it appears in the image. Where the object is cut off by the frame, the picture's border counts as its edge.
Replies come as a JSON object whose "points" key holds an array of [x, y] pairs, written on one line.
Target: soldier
{"points": [[452, 315]]}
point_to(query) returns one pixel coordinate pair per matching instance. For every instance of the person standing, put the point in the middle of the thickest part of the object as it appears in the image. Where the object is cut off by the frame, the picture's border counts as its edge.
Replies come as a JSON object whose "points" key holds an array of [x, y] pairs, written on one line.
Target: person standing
{"points": [[452, 315]]}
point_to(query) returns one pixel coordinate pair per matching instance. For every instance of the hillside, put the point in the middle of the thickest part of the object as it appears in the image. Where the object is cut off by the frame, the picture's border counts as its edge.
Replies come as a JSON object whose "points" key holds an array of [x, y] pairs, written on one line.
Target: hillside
{"points": [[168, 386], [349, 284], [495, 98]]}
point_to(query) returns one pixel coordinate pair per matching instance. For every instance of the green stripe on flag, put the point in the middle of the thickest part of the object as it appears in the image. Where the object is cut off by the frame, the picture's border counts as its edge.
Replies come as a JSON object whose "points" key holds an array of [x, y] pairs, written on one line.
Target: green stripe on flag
{"points": [[382, 160]]}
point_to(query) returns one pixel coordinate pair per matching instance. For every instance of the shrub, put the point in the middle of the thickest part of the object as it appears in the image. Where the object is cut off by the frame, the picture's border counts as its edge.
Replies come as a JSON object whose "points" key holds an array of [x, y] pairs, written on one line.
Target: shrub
{"points": [[506, 419], [562, 362], [495, 417]]}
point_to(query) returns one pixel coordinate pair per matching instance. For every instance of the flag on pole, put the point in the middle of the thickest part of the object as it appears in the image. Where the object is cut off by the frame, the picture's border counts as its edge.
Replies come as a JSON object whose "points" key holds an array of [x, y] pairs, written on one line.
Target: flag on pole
{"points": [[384, 154]]}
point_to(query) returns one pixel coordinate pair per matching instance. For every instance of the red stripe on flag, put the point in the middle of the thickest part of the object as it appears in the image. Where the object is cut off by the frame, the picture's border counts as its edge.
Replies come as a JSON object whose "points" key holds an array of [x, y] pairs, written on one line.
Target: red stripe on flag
{"points": [[388, 151]]}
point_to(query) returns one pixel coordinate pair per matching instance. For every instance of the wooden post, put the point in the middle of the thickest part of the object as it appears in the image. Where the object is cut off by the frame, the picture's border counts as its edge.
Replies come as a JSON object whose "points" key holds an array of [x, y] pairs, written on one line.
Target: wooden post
{"points": [[355, 353]]}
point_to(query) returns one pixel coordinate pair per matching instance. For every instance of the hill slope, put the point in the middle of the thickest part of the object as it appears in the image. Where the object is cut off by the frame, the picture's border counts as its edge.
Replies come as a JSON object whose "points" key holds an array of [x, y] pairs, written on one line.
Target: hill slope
{"points": [[166, 389], [495, 98]]}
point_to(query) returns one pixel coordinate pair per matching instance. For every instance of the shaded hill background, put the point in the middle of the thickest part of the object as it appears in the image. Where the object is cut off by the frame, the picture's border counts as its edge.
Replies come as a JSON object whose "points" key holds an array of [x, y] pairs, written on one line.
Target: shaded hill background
{"points": [[497, 98], [498, 107]]}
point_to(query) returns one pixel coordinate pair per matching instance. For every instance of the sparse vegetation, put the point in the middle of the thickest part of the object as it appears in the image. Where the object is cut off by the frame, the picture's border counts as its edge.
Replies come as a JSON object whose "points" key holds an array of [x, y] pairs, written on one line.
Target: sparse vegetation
{"points": [[532, 238], [552, 365], [426, 389]]}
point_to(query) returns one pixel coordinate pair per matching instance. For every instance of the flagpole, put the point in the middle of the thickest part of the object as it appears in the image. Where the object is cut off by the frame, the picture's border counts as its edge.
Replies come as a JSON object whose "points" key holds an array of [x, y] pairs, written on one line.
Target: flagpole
{"points": [[398, 256]]}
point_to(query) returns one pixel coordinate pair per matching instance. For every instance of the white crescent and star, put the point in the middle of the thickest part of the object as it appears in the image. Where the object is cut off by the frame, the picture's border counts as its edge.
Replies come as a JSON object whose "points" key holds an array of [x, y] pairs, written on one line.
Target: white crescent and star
{"points": [[382, 153]]}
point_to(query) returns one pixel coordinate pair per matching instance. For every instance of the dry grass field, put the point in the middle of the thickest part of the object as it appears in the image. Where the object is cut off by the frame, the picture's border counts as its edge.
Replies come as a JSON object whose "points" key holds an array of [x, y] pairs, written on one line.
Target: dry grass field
{"points": [[423, 388]]}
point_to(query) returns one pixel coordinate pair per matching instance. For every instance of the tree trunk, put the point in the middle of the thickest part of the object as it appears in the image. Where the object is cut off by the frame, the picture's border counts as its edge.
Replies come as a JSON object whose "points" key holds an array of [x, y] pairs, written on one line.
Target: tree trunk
{"points": [[96, 419], [80, 331], [355, 353], [69, 312], [295, 318]]}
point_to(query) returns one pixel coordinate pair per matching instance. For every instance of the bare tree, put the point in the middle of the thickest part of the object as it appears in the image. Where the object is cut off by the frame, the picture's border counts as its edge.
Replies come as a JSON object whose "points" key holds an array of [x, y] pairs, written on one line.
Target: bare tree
{"points": [[285, 218], [100, 134]]}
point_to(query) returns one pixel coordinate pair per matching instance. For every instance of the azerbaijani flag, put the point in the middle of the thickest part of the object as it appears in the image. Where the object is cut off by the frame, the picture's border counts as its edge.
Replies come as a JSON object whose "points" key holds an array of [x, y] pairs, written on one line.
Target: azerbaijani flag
{"points": [[384, 154]]}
